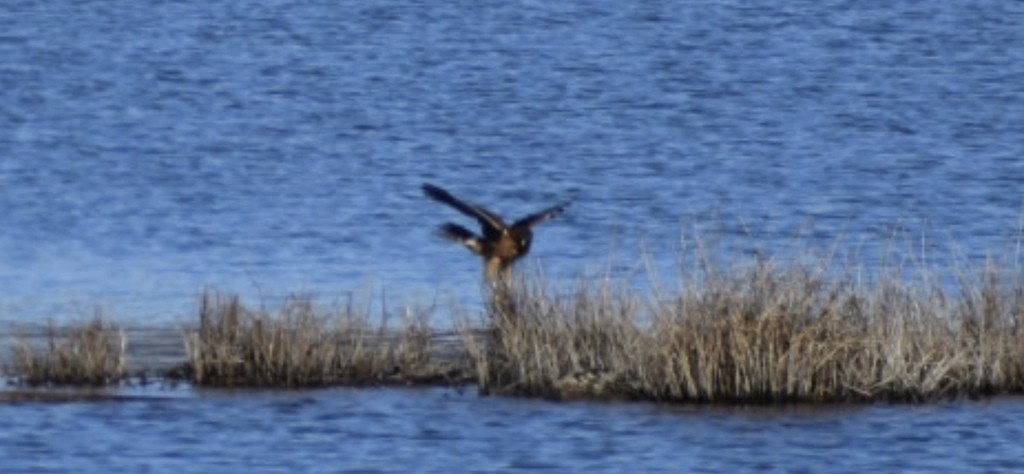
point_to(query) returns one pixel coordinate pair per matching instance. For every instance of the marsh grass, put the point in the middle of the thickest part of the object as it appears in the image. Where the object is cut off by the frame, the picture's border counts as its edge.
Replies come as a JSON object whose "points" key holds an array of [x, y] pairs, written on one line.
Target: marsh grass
{"points": [[301, 346], [87, 354], [768, 333], [750, 331]]}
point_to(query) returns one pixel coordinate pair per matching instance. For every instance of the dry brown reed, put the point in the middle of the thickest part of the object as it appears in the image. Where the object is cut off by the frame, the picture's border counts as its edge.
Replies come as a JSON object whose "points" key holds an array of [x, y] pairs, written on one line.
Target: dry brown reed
{"points": [[769, 333], [92, 353], [300, 346]]}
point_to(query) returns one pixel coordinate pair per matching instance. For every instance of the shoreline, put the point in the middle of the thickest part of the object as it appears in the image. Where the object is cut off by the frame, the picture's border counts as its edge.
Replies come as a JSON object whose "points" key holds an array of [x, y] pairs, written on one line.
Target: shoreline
{"points": [[761, 334]]}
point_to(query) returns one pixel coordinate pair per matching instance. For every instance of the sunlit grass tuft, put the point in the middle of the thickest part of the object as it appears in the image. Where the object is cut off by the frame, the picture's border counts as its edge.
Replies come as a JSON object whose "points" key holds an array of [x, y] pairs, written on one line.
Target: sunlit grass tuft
{"points": [[765, 334], [300, 346], [89, 354]]}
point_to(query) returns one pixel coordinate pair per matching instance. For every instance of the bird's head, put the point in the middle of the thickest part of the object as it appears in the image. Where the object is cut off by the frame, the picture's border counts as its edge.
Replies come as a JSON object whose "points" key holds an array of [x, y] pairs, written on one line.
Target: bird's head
{"points": [[523, 237]]}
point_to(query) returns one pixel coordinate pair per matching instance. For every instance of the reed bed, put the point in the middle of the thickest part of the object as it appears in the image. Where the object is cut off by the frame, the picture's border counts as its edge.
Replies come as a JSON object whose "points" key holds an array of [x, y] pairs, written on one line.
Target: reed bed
{"points": [[770, 333], [87, 354], [754, 332], [299, 346]]}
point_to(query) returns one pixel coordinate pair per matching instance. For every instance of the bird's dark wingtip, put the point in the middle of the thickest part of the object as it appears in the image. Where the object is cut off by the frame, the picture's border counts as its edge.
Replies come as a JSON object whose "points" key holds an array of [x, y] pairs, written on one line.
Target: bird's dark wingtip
{"points": [[434, 192]]}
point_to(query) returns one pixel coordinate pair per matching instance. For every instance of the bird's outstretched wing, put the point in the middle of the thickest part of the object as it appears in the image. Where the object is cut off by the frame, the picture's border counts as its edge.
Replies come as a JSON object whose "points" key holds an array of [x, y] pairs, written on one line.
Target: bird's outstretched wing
{"points": [[490, 221], [536, 218]]}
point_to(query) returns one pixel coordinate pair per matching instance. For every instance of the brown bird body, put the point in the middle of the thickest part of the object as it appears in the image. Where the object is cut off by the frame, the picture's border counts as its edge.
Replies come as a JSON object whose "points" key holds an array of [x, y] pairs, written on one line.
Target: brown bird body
{"points": [[499, 244]]}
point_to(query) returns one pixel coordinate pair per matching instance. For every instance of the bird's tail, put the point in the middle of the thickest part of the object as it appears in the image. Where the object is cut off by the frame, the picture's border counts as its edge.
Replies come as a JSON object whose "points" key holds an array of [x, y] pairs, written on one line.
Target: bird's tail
{"points": [[462, 235], [456, 232]]}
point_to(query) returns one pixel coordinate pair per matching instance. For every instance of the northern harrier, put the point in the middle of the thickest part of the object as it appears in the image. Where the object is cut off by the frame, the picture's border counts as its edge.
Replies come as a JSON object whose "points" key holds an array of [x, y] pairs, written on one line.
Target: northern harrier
{"points": [[501, 244]]}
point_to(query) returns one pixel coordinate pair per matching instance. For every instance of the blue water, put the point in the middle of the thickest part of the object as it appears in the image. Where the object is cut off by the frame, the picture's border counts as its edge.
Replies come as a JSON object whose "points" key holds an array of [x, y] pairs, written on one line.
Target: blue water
{"points": [[151, 149], [444, 431]]}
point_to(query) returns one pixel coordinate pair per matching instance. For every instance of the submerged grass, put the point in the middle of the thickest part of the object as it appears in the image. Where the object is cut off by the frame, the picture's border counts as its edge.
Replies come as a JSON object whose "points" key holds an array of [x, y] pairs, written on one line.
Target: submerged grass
{"points": [[765, 334], [88, 354], [300, 346]]}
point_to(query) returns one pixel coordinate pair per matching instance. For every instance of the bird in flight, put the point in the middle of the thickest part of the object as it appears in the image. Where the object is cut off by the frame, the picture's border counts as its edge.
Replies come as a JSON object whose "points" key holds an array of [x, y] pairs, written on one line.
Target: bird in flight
{"points": [[500, 244]]}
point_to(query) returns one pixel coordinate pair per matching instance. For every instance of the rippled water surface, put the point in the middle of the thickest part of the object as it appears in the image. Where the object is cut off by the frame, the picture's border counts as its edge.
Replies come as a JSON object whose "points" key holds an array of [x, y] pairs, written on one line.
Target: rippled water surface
{"points": [[445, 431], [151, 149]]}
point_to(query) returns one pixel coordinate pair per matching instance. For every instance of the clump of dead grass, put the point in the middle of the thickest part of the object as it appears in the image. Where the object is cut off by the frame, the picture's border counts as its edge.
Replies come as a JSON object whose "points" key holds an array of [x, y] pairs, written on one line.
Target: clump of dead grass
{"points": [[87, 354], [769, 333], [300, 346]]}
